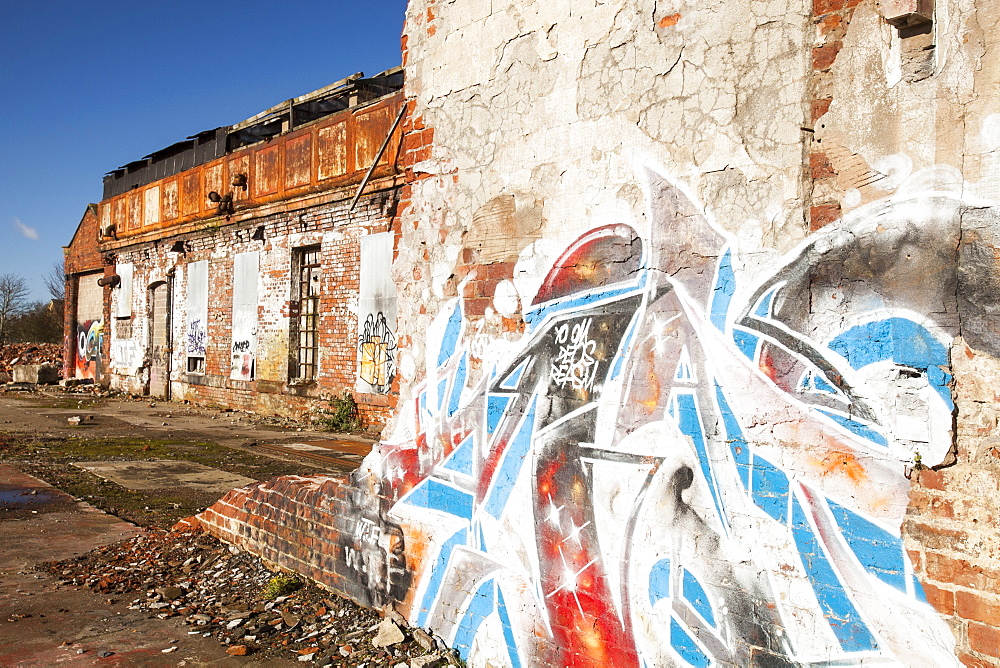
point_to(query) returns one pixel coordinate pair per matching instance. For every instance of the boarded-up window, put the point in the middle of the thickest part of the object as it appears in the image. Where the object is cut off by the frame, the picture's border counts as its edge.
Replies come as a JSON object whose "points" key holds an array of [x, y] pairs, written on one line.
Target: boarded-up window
{"points": [[89, 326], [246, 267], [123, 293], [196, 334], [377, 315]]}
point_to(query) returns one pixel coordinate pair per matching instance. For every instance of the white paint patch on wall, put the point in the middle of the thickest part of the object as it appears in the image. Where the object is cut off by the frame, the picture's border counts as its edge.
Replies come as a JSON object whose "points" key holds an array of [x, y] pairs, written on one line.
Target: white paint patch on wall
{"points": [[126, 354], [123, 293], [246, 269], [376, 315], [196, 331]]}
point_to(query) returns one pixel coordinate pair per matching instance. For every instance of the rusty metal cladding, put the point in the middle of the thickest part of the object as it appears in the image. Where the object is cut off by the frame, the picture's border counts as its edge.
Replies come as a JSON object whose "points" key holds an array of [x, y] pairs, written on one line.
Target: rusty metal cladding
{"points": [[240, 164], [151, 206], [170, 209], [268, 175], [332, 151], [298, 161], [373, 125], [190, 193], [134, 210], [215, 181]]}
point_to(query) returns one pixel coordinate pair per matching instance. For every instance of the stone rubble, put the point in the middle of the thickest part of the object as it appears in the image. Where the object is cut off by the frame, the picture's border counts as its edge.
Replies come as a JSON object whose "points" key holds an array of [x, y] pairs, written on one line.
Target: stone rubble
{"points": [[216, 590]]}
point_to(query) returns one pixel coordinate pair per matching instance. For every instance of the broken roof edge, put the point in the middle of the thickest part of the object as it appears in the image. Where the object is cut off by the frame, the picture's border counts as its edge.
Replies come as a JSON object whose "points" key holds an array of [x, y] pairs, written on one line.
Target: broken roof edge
{"points": [[317, 94]]}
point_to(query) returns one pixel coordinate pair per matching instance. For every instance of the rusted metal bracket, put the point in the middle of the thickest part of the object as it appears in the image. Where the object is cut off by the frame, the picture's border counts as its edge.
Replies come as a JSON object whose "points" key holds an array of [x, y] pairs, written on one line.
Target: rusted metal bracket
{"points": [[378, 156]]}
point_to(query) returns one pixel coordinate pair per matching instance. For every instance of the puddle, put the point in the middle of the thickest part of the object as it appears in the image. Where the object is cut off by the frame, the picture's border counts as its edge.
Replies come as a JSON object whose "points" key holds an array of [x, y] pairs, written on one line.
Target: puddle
{"points": [[21, 497], [18, 502]]}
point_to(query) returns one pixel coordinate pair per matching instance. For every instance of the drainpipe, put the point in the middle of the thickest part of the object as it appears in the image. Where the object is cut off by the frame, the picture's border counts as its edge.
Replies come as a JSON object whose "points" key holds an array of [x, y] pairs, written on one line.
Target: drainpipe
{"points": [[169, 324]]}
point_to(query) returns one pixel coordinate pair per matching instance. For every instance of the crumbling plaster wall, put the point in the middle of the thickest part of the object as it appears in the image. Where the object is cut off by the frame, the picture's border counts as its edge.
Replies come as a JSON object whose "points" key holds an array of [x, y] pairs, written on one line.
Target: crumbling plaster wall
{"points": [[890, 134], [557, 111], [557, 104], [697, 342]]}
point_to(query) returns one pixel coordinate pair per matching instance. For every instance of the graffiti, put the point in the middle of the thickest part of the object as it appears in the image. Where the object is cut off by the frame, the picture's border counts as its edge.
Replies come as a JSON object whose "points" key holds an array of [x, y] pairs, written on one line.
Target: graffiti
{"points": [[89, 338], [160, 355], [246, 269], [125, 353], [242, 366], [377, 345], [376, 315], [372, 546], [682, 463], [196, 337], [575, 363]]}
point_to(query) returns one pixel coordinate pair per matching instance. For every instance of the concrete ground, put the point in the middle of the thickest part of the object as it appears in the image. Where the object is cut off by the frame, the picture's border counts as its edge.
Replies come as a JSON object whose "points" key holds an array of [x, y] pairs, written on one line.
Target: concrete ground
{"points": [[52, 413], [45, 624], [48, 413]]}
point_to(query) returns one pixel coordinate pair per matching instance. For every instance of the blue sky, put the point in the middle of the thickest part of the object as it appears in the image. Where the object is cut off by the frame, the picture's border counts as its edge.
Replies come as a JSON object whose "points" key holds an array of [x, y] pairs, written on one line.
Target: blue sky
{"points": [[88, 86]]}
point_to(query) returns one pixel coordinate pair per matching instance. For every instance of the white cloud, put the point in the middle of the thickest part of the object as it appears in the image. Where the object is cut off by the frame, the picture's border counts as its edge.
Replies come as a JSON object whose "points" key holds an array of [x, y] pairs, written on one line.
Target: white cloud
{"points": [[26, 231]]}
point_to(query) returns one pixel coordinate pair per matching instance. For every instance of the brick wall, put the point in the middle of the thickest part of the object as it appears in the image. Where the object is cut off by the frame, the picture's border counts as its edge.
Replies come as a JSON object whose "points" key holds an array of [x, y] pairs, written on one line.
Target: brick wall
{"points": [[948, 530], [831, 19], [951, 526], [306, 524], [82, 255], [331, 226]]}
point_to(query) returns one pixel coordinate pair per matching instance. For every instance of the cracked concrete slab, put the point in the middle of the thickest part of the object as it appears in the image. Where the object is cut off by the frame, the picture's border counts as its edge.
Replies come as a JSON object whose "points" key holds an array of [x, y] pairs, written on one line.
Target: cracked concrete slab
{"points": [[146, 475]]}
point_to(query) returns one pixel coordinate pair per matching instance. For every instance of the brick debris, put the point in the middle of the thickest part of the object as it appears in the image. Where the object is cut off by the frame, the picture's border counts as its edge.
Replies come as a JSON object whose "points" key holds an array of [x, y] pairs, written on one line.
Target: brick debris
{"points": [[221, 592]]}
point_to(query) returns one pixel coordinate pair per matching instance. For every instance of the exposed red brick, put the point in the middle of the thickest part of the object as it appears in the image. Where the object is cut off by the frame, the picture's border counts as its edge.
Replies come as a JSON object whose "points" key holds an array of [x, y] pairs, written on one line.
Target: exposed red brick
{"points": [[820, 107], [945, 569], [830, 23], [821, 215], [976, 606], [669, 20], [984, 639], [824, 6], [932, 479], [820, 167], [943, 600], [975, 661], [824, 56]]}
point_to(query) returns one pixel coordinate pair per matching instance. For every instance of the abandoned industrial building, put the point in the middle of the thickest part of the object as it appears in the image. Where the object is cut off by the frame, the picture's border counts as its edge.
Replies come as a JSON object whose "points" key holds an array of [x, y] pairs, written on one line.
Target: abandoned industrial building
{"points": [[248, 266], [682, 318]]}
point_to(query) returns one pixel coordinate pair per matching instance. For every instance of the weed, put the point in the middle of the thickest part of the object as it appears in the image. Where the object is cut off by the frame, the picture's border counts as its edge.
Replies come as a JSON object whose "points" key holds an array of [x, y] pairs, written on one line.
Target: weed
{"points": [[281, 584], [341, 416]]}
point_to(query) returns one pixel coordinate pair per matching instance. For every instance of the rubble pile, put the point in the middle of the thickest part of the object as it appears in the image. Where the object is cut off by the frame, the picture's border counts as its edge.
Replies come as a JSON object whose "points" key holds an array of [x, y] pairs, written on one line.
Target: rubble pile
{"points": [[30, 353], [219, 591]]}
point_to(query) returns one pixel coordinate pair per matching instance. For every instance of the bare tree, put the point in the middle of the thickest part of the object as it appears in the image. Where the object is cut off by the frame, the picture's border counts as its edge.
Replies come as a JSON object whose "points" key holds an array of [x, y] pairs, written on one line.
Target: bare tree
{"points": [[13, 301], [55, 280]]}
